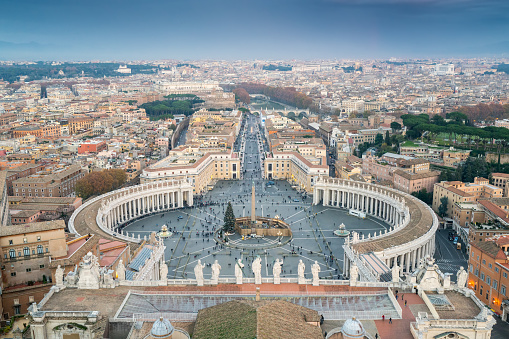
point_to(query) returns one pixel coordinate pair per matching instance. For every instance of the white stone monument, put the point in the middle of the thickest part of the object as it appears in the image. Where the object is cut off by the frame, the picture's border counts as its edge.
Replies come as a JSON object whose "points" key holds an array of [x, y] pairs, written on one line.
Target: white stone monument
{"points": [[238, 271], [461, 277], [89, 275], [198, 273], [276, 271], [354, 274], [315, 270], [216, 268], [163, 273], [59, 277], [257, 270], [120, 270], [395, 273], [300, 272]]}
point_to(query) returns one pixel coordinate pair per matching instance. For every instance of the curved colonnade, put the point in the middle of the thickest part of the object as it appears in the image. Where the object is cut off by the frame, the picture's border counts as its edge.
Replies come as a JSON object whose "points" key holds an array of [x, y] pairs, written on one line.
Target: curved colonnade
{"points": [[113, 209], [410, 238]]}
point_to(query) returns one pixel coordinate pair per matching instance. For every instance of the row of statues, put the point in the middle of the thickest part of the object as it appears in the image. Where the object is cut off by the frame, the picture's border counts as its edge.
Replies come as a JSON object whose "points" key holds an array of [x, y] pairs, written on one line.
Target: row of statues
{"points": [[256, 267]]}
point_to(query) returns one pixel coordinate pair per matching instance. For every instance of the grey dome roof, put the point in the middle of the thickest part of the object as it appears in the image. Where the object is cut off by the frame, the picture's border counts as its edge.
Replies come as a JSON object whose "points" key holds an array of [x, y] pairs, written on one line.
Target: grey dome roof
{"points": [[353, 328], [162, 328]]}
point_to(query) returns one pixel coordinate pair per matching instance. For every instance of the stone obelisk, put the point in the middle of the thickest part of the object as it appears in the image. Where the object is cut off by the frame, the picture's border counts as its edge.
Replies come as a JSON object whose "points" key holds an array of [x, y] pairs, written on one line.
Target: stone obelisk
{"points": [[253, 213]]}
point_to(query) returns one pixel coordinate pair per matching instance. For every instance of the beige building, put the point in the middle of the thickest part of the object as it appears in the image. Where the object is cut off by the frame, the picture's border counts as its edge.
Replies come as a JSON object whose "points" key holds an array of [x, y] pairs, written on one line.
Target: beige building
{"points": [[500, 180], [57, 183], [203, 170], [460, 192], [292, 166], [26, 251]]}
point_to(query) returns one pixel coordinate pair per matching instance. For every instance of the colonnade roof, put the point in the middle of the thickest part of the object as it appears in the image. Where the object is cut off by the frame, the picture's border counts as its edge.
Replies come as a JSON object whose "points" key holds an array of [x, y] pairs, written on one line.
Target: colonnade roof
{"points": [[421, 220]]}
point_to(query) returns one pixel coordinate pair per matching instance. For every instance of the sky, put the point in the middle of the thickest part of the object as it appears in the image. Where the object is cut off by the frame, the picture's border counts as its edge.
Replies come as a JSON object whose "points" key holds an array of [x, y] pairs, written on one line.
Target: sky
{"points": [[250, 30]]}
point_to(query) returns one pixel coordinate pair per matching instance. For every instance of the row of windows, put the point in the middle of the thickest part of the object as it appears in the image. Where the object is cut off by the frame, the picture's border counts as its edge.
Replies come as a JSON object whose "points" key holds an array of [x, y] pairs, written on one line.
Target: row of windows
{"points": [[25, 240], [26, 252]]}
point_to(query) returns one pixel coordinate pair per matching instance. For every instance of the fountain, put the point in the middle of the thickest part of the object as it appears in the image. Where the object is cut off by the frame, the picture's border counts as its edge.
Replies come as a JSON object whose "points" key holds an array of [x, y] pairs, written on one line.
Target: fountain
{"points": [[341, 232], [164, 232]]}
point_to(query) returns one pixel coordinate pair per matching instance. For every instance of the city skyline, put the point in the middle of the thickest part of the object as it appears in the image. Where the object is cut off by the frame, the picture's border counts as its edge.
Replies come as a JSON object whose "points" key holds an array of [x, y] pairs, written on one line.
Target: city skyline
{"points": [[227, 30]]}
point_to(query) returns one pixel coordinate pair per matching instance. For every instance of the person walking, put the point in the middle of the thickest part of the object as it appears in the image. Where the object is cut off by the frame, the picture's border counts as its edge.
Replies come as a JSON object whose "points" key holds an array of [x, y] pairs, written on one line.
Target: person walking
{"points": [[376, 335], [405, 302], [390, 320], [383, 317]]}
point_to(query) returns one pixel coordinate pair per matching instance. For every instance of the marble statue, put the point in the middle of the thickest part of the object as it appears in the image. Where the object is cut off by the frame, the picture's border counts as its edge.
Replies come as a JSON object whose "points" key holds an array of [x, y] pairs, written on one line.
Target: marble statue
{"points": [[395, 273], [257, 270], [120, 270], [238, 271], [59, 277], [89, 275], [163, 272], [215, 272], [276, 271], [198, 273], [461, 277], [315, 270], [300, 271], [354, 274]]}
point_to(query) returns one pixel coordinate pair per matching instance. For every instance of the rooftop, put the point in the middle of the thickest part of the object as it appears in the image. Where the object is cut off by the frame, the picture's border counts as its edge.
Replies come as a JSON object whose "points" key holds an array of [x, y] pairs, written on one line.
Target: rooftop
{"points": [[32, 227]]}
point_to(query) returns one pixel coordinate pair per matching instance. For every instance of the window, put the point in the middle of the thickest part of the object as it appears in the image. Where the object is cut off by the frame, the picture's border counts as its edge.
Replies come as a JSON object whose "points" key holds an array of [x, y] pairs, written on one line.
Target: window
{"points": [[13, 274], [505, 274], [29, 270], [25, 240], [10, 242], [26, 251], [484, 262], [495, 284], [12, 253], [502, 289], [490, 266], [496, 269], [40, 249], [482, 276], [38, 238], [41, 266], [488, 280]]}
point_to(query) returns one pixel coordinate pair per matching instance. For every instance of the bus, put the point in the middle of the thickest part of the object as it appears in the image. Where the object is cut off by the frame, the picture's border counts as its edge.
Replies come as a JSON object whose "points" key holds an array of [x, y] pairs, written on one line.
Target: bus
{"points": [[357, 214]]}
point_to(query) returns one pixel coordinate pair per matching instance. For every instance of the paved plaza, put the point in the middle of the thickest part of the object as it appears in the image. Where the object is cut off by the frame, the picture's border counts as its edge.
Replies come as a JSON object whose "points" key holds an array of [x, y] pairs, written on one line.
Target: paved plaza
{"points": [[312, 226]]}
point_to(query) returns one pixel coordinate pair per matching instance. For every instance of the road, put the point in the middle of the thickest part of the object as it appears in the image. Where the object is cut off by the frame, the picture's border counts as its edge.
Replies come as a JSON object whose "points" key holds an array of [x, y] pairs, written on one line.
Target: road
{"points": [[448, 258]]}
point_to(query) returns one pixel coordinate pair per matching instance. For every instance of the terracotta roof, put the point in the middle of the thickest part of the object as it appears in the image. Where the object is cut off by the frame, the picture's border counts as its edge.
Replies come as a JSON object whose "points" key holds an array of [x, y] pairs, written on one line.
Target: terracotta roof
{"points": [[32, 227], [500, 175], [502, 214], [489, 248], [415, 176]]}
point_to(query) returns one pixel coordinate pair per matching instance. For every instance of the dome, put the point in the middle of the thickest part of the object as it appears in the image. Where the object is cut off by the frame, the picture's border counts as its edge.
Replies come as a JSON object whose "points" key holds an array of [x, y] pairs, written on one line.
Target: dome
{"points": [[352, 328], [162, 328]]}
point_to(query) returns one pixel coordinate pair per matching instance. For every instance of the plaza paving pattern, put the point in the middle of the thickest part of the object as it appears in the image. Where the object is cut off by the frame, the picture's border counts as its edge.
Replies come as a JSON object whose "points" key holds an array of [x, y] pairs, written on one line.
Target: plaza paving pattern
{"points": [[312, 228]]}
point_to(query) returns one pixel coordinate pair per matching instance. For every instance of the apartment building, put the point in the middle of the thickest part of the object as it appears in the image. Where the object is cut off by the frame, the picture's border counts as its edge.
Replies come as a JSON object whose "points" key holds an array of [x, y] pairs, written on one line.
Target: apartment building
{"points": [[460, 192], [92, 146], [26, 251], [501, 180], [75, 125], [38, 131], [488, 272], [294, 167], [56, 183], [203, 170]]}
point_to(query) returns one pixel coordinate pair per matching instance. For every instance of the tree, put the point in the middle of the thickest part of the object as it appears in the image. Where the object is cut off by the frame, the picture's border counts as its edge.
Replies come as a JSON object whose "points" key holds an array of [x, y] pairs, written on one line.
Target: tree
{"points": [[242, 95], [379, 139], [423, 195], [100, 182], [229, 219], [442, 209], [387, 139], [396, 126]]}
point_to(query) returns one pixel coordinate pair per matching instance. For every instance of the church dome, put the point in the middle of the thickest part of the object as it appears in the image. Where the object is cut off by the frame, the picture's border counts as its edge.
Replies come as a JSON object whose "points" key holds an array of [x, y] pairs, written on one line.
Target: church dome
{"points": [[352, 328], [162, 328]]}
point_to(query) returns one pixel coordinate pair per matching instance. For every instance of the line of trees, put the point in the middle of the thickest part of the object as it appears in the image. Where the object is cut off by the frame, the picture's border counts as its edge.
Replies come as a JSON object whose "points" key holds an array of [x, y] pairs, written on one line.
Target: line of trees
{"points": [[486, 112], [286, 95], [242, 95], [170, 107], [459, 125], [100, 182]]}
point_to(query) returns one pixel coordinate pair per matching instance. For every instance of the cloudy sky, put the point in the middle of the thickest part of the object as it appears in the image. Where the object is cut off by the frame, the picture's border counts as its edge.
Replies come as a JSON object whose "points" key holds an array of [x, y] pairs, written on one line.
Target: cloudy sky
{"points": [[261, 29]]}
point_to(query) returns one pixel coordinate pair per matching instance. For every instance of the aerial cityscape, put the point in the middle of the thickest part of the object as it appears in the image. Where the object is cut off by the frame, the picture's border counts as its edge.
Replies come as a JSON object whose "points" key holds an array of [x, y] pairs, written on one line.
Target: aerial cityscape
{"points": [[309, 169]]}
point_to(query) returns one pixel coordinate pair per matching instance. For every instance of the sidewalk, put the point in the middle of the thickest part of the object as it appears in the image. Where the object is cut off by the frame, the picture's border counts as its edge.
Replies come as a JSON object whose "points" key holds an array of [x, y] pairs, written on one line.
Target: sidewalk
{"points": [[400, 328]]}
